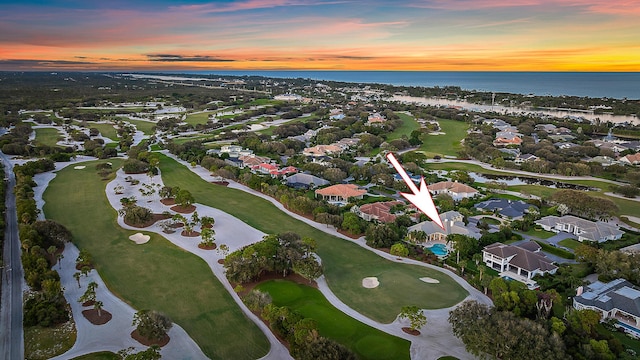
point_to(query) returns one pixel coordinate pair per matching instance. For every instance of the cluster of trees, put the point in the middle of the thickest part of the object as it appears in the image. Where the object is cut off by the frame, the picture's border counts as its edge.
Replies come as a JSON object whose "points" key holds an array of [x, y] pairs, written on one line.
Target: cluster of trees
{"points": [[281, 253], [151, 324], [610, 265], [302, 335], [41, 241], [492, 333], [581, 204]]}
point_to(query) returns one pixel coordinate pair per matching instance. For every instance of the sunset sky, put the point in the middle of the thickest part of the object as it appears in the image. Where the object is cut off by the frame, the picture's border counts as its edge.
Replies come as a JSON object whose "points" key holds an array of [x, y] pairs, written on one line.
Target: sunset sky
{"points": [[465, 35]]}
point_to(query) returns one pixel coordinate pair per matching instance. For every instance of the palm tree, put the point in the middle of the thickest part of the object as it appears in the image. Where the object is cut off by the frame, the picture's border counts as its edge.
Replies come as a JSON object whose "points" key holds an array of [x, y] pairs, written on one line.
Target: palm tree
{"points": [[76, 276], [97, 305]]}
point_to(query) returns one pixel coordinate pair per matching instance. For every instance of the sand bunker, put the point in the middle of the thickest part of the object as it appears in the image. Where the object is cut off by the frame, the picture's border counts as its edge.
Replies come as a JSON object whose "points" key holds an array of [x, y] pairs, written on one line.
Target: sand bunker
{"points": [[79, 167], [370, 282], [139, 238], [430, 280]]}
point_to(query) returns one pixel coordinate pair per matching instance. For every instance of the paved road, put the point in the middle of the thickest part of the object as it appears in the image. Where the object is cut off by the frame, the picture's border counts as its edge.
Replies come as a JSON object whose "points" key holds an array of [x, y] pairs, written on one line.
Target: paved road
{"points": [[11, 330]]}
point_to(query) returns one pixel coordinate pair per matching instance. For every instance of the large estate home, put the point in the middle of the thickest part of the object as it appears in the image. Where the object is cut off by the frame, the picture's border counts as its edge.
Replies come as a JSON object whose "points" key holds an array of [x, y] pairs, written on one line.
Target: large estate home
{"points": [[456, 190], [521, 262], [584, 229], [380, 211], [341, 193], [617, 299], [506, 208], [453, 224], [305, 181], [631, 159], [322, 150]]}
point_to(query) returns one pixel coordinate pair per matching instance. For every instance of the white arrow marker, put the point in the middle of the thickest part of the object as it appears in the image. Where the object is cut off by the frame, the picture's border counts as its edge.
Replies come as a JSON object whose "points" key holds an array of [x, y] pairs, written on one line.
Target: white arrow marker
{"points": [[420, 198]]}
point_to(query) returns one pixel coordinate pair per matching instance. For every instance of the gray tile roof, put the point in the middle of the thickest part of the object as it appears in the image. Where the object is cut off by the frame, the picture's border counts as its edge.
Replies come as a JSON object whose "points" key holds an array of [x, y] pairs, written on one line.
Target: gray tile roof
{"points": [[522, 258], [617, 294]]}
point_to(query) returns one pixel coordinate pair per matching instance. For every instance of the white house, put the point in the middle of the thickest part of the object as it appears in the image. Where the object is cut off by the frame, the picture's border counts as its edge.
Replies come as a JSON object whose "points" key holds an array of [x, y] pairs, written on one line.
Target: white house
{"points": [[617, 299], [520, 263], [584, 229]]}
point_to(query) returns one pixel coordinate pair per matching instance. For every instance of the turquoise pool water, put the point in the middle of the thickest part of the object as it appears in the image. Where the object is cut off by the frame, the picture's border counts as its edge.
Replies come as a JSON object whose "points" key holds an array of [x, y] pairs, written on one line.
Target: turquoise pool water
{"points": [[439, 249]]}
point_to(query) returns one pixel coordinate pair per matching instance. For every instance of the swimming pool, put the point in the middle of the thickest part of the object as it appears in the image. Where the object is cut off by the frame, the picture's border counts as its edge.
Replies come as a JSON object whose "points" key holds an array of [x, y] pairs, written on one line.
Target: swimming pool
{"points": [[438, 249]]}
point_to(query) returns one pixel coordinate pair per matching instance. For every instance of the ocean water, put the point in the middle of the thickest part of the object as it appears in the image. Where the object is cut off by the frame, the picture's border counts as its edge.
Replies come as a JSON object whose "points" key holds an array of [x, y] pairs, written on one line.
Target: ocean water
{"points": [[590, 84]]}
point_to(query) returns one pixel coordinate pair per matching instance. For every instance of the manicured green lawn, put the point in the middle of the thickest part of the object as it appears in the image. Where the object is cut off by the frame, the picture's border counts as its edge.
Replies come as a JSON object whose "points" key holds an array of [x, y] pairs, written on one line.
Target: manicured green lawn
{"points": [[157, 275], [106, 130], [102, 355], [491, 221], [570, 243], [448, 143], [47, 136], [409, 124], [147, 127], [539, 233], [367, 342], [345, 263], [199, 118]]}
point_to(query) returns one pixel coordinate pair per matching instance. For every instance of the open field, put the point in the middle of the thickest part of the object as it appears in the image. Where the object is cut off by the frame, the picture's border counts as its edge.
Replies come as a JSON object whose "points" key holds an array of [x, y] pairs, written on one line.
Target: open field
{"points": [[106, 130], [345, 263], [198, 118], [48, 136], [366, 341], [409, 124], [145, 126], [158, 275], [448, 143]]}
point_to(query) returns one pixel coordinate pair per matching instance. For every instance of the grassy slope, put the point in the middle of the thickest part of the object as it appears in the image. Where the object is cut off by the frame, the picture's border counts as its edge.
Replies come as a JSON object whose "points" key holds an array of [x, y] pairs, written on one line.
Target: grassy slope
{"points": [[106, 130], [366, 341], [199, 118], [447, 144], [345, 263], [409, 124], [158, 275], [145, 126], [47, 136]]}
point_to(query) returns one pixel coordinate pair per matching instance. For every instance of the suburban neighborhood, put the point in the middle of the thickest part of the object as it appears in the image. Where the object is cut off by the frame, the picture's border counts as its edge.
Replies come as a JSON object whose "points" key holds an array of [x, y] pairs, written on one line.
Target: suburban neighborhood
{"points": [[200, 209]]}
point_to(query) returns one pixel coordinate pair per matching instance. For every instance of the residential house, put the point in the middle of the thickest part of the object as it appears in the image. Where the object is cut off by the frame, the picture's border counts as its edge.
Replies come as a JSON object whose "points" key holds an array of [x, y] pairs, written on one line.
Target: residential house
{"points": [[519, 263], [456, 190], [376, 119], [341, 193], [305, 181], [453, 224], [525, 158], [380, 211], [584, 229], [288, 97], [604, 160], [631, 159], [322, 150], [253, 160], [548, 128], [513, 209], [618, 300], [507, 139]]}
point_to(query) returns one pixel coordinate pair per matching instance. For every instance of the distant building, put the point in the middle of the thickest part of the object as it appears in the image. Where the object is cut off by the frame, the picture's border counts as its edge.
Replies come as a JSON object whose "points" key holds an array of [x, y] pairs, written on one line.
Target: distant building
{"points": [[584, 229], [453, 224], [456, 190], [376, 119], [380, 211], [322, 150], [632, 159], [340, 193], [505, 207], [618, 300], [520, 263], [288, 97], [306, 181]]}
